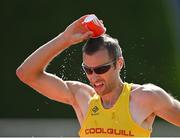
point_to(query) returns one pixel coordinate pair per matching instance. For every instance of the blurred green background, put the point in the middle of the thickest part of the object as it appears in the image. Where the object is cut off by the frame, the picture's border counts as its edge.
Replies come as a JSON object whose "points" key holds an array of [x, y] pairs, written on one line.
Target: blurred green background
{"points": [[148, 32]]}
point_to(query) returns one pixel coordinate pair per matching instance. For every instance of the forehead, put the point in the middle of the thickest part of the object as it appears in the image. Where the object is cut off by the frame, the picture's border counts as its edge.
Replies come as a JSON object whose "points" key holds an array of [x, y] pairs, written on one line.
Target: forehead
{"points": [[98, 58]]}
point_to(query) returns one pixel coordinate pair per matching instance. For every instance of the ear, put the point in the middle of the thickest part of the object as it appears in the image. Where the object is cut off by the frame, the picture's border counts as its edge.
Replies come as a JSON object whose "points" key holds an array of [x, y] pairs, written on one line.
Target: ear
{"points": [[120, 63]]}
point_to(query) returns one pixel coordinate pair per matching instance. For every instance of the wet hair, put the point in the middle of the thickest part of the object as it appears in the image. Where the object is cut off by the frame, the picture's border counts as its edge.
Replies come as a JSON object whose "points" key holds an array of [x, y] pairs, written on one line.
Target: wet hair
{"points": [[103, 42]]}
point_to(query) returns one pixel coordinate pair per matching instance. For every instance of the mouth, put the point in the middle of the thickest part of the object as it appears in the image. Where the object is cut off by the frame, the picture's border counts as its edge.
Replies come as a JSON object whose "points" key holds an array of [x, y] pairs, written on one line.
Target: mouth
{"points": [[98, 86]]}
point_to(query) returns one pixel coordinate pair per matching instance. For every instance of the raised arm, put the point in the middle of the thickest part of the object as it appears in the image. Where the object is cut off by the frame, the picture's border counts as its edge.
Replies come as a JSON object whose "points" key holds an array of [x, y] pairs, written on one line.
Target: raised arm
{"points": [[32, 70]]}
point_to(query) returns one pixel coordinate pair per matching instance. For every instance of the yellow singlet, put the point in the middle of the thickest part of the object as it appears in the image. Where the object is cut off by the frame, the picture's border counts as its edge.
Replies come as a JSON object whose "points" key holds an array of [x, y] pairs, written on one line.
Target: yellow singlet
{"points": [[113, 122]]}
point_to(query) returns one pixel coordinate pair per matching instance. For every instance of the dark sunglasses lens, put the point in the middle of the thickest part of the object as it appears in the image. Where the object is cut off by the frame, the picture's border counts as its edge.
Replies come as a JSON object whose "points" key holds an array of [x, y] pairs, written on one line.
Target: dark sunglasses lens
{"points": [[102, 69], [87, 70]]}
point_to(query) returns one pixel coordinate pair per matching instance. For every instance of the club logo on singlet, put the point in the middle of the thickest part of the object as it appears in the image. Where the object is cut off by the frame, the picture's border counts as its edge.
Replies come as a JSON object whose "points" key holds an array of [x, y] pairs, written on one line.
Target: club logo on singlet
{"points": [[95, 110]]}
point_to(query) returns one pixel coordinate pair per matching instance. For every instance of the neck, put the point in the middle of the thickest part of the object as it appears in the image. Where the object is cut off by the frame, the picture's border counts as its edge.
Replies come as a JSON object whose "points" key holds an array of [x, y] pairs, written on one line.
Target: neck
{"points": [[110, 98]]}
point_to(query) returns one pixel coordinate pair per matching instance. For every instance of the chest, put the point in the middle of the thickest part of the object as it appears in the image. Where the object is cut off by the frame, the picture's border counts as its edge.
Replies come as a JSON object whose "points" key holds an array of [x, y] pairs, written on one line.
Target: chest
{"points": [[133, 110], [115, 121]]}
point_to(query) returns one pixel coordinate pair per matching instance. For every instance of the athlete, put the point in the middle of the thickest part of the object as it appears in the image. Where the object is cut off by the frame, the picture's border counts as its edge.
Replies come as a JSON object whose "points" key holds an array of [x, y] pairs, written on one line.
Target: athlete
{"points": [[109, 107]]}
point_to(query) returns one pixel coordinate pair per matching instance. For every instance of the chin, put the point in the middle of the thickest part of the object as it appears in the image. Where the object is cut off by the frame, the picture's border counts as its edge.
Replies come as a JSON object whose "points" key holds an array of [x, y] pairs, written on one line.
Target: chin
{"points": [[102, 93]]}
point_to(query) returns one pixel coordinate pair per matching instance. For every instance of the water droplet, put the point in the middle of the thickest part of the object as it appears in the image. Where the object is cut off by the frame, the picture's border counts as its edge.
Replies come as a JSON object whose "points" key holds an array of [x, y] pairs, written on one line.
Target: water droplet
{"points": [[140, 73]]}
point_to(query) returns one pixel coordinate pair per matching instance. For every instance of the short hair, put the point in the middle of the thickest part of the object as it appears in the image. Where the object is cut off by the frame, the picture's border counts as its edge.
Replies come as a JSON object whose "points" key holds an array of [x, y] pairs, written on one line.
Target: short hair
{"points": [[103, 42]]}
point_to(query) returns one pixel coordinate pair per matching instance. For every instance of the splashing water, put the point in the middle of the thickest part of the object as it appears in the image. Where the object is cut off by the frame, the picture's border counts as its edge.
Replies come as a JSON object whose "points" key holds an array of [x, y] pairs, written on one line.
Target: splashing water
{"points": [[68, 70], [124, 72]]}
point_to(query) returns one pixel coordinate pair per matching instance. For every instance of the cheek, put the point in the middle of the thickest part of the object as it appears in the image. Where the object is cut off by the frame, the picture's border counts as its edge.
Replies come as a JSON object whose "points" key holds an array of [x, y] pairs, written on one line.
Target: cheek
{"points": [[108, 77], [111, 76]]}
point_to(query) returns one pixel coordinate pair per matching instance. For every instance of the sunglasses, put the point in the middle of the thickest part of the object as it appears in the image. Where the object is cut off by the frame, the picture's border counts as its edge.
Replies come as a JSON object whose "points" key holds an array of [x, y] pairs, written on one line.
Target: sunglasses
{"points": [[101, 69]]}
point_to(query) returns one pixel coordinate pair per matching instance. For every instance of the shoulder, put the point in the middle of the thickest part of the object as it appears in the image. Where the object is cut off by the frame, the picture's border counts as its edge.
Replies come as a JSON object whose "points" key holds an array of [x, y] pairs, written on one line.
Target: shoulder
{"points": [[151, 94], [80, 90], [154, 100], [150, 90], [79, 86]]}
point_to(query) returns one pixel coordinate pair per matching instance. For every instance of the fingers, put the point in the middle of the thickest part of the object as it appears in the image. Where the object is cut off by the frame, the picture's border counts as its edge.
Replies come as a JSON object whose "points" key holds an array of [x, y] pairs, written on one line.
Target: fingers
{"points": [[79, 23], [101, 21], [86, 35]]}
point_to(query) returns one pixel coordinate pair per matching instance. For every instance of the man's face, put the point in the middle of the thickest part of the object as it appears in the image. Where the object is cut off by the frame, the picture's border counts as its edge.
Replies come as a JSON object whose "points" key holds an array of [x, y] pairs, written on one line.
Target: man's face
{"points": [[102, 83]]}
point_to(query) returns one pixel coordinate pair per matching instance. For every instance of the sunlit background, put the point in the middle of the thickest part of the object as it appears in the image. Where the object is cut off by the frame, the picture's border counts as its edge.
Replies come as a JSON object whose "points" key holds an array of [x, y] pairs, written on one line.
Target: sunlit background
{"points": [[148, 32]]}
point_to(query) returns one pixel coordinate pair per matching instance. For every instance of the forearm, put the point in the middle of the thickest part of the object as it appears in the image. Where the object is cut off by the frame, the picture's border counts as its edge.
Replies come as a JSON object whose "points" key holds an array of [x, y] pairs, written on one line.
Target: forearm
{"points": [[39, 59]]}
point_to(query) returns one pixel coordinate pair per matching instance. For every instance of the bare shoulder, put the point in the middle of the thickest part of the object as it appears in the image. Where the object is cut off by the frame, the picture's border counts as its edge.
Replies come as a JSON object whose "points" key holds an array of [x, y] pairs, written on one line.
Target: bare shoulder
{"points": [[79, 86], [151, 94], [80, 90], [157, 101], [146, 89]]}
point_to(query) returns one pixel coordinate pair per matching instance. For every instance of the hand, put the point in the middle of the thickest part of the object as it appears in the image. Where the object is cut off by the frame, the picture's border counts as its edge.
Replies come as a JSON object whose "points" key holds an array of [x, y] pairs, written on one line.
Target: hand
{"points": [[77, 32]]}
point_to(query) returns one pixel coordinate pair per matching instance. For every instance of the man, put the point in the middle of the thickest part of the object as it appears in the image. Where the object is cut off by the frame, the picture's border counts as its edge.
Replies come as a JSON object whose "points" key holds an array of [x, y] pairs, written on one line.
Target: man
{"points": [[109, 107]]}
